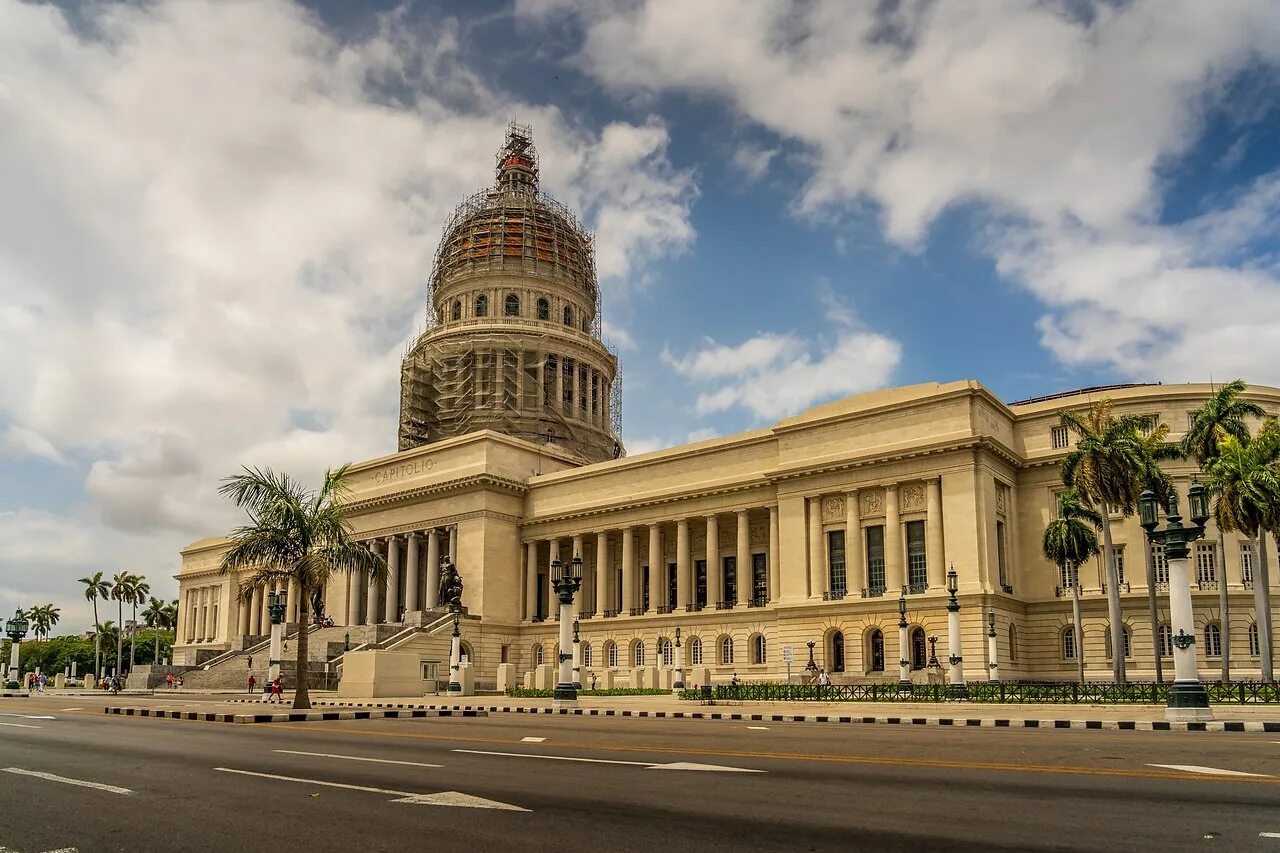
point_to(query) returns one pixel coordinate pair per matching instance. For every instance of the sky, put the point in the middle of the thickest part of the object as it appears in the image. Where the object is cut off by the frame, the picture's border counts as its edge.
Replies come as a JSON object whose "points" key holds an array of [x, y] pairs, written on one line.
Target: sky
{"points": [[217, 219]]}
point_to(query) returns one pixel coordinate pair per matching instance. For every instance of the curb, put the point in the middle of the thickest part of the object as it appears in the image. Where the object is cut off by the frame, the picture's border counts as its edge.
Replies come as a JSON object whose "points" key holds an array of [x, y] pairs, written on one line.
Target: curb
{"points": [[295, 716], [954, 722]]}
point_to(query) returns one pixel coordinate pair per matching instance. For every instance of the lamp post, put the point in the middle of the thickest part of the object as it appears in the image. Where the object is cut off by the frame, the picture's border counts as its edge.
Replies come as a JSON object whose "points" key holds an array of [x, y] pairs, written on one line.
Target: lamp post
{"points": [[956, 688], [933, 653], [15, 629], [993, 668], [1188, 700], [275, 609], [577, 658], [678, 684], [567, 580], [904, 663], [811, 668], [454, 687]]}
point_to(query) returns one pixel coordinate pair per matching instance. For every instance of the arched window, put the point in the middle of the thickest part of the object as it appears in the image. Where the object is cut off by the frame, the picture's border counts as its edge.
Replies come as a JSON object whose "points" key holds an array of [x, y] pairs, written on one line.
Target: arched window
{"points": [[482, 306], [512, 305], [837, 652], [586, 654], [611, 655], [568, 316], [1253, 640], [695, 651], [919, 654], [1013, 643], [1127, 637], [467, 654], [758, 649], [1069, 643], [1166, 641], [537, 655], [457, 309], [544, 309], [876, 649], [726, 651], [1213, 640], [638, 654], [666, 652]]}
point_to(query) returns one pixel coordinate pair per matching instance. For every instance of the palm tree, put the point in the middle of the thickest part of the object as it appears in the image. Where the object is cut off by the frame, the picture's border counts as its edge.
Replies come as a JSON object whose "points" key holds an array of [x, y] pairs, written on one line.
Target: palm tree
{"points": [[294, 535], [107, 632], [157, 616], [1155, 449], [94, 588], [1105, 469], [36, 616], [1244, 479], [121, 591], [52, 615], [1070, 540], [141, 589]]}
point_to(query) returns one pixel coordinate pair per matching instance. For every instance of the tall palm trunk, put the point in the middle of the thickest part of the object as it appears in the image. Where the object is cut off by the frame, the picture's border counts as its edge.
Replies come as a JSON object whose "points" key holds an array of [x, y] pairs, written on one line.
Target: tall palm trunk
{"points": [[1220, 570], [1262, 604], [1151, 608], [133, 638], [120, 636], [1075, 619], [155, 660], [97, 642], [301, 696], [1113, 600]]}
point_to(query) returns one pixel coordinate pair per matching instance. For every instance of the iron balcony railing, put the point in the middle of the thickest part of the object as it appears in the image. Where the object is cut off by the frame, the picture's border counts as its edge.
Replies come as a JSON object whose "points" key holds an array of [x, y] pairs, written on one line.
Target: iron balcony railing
{"points": [[609, 614], [872, 592], [693, 607], [724, 605], [758, 601], [833, 595], [664, 609], [917, 588], [636, 611]]}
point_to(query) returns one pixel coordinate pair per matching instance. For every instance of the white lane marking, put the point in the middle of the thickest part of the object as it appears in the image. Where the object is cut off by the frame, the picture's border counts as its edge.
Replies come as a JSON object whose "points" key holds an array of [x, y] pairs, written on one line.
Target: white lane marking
{"points": [[66, 781], [444, 798], [30, 716], [72, 709], [758, 728], [1209, 771], [532, 739], [1269, 834], [20, 726], [357, 758], [674, 765]]}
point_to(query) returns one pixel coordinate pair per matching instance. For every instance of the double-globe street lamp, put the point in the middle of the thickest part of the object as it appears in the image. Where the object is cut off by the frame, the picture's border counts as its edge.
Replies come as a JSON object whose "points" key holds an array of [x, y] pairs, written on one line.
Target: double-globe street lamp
{"points": [[904, 663], [957, 687], [993, 668], [678, 684], [15, 629], [1188, 700], [275, 609], [567, 580]]}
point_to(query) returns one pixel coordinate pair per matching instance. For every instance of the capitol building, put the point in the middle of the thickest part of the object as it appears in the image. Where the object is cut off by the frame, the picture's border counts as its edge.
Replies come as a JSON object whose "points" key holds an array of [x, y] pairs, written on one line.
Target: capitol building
{"points": [[510, 456]]}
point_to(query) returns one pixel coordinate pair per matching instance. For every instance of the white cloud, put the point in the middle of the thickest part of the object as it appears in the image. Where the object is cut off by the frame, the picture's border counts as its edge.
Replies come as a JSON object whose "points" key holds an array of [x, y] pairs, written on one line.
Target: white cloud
{"points": [[1054, 116], [619, 336], [717, 360], [216, 215]]}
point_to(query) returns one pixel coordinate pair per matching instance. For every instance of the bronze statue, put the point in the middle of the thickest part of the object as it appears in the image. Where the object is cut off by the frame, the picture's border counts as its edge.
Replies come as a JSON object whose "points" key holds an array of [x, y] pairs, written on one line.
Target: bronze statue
{"points": [[450, 585]]}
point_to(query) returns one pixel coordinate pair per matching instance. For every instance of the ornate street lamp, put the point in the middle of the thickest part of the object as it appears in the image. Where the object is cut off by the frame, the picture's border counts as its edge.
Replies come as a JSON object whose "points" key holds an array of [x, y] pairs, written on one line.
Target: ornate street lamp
{"points": [[1188, 700], [993, 668], [956, 687], [275, 609], [15, 629], [567, 580], [933, 653], [679, 682], [811, 667], [577, 658], [904, 663]]}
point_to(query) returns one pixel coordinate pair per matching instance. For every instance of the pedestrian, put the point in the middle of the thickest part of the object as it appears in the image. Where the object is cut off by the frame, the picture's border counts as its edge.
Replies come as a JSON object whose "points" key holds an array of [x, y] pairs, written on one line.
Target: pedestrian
{"points": [[250, 661], [179, 682], [277, 690], [168, 680], [593, 681], [823, 678], [41, 682], [253, 682]]}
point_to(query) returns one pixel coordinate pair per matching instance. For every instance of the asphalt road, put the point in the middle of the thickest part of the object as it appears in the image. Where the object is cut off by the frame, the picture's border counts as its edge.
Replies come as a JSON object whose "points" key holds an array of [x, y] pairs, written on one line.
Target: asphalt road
{"points": [[618, 784]]}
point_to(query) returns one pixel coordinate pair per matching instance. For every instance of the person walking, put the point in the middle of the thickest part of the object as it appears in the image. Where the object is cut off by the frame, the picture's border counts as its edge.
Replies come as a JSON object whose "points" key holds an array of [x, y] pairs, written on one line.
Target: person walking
{"points": [[823, 678], [253, 682], [277, 691]]}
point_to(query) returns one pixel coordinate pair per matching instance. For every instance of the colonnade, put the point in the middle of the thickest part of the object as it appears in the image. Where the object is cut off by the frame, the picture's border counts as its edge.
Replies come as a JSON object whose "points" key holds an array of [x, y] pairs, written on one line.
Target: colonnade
{"points": [[200, 613], [412, 582]]}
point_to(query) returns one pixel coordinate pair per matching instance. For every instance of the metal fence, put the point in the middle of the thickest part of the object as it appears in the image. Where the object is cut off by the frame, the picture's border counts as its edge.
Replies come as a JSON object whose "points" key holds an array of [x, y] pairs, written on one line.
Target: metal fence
{"points": [[1012, 692]]}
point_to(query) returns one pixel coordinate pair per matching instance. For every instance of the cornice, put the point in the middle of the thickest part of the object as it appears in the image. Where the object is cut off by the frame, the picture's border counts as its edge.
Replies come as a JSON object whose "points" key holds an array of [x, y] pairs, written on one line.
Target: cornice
{"points": [[470, 483], [443, 521]]}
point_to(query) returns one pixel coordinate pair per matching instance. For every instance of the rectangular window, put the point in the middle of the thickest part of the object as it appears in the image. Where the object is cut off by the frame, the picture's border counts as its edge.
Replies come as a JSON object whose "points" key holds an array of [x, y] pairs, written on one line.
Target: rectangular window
{"points": [[836, 581], [1117, 554], [917, 565], [1068, 576], [530, 381], [1246, 562], [672, 587], [1191, 420], [760, 577], [644, 588], [729, 579], [875, 557], [483, 368], [549, 381], [595, 393], [1206, 562], [1058, 436], [1001, 554], [586, 655], [582, 383], [506, 650], [1159, 563], [700, 582], [1148, 423], [567, 391]]}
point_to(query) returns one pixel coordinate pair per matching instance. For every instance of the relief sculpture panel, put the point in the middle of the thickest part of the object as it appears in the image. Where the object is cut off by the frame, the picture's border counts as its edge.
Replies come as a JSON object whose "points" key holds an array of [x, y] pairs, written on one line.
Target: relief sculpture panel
{"points": [[873, 502]]}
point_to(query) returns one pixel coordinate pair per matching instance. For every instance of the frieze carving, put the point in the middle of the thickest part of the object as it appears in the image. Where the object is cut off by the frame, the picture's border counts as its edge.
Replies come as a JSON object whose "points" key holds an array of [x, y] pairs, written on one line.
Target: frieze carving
{"points": [[1002, 497], [873, 502], [913, 496], [759, 534], [833, 509], [728, 537]]}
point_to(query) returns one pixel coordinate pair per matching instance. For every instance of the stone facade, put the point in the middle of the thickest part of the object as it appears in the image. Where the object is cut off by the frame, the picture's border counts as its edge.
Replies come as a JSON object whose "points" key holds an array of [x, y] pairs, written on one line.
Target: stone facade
{"points": [[803, 531]]}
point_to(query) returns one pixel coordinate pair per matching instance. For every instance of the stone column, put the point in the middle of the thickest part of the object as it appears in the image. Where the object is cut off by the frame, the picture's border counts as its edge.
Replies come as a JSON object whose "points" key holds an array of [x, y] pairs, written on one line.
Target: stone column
{"points": [[817, 567], [743, 559], [578, 411], [355, 581], [603, 568], [453, 545], [413, 576], [628, 570], [293, 610], [715, 581], [855, 571], [433, 569], [531, 580], [552, 605], [242, 625], [657, 589], [684, 565], [371, 601], [933, 535], [559, 401], [391, 610], [582, 598], [204, 614], [255, 612], [775, 568], [893, 577]]}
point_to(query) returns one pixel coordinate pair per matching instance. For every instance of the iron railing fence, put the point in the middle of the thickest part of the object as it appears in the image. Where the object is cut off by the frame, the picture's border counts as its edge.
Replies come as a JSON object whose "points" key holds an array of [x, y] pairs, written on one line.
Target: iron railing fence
{"points": [[1010, 692]]}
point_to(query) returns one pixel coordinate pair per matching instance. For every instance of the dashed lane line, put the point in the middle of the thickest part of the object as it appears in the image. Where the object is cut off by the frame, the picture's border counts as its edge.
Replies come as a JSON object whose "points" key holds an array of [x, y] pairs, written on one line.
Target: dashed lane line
{"points": [[1208, 771], [20, 726], [356, 758], [68, 781], [443, 798], [651, 765], [532, 739]]}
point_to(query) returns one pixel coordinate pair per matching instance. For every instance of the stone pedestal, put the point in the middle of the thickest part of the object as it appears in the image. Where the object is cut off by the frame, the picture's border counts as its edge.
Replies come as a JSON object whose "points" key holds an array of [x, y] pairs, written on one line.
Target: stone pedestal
{"points": [[381, 673], [506, 677], [648, 678], [59, 682], [699, 675], [544, 677], [606, 679]]}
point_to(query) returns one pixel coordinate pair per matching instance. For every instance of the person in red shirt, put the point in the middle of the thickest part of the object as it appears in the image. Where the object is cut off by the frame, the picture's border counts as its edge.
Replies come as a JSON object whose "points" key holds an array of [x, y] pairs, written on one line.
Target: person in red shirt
{"points": [[277, 691]]}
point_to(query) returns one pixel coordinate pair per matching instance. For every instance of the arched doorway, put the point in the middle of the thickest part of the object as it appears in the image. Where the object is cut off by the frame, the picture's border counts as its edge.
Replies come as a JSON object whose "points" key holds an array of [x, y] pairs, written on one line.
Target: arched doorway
{"points": [[919, 655], [837, 652], [876, 642]]}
